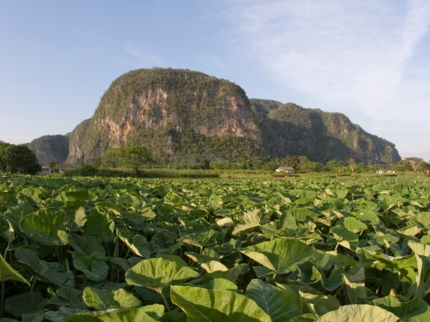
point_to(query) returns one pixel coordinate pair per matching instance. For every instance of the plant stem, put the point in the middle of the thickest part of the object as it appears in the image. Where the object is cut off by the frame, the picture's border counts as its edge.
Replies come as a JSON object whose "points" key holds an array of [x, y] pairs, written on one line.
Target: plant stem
{"points": [[165, 301], [3, 286], [107, 249], [116, 249], [2, 300], [32, 284], [126, 254]]}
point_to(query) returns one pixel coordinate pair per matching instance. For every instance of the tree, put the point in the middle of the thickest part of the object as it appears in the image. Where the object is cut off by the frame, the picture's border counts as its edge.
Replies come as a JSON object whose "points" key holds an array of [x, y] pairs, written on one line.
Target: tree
{"points": [[18, 159], [204, 164], [55, 167], [310, 166], [352, 164], [336, 166], [362, 168], [415, 163], [293, 161], [132, 157]]}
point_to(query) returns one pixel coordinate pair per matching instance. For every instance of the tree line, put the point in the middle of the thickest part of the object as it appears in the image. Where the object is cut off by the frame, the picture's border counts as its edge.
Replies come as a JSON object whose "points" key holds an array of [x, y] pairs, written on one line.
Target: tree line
{"points": [[140, 157], [20, 159]]}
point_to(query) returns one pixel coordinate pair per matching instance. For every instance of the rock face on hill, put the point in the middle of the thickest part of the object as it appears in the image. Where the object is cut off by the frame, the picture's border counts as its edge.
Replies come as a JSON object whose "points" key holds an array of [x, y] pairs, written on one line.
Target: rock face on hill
{"points": [[50, 148], [185, 115], [175, 113], [78, 138]]}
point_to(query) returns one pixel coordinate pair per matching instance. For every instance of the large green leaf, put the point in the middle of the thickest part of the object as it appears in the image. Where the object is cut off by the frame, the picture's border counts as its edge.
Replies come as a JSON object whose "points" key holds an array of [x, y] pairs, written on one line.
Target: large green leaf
{"points": [[334, 280], [423, 219], [345, 237], [423, 317], [395, 264], [215, 269], [8, 320], [86, 244], [33, 317], [205, 239], [213, 305], [61, 315], [213, 266], [404, 310], [422, 253], [100, 225], [159, 273], [79, 219], [248, 221], [163, 243], [281, 255], [101, 299], [8, 273], [138, 220], [138, 245], [15, 213], [44, 271], [207, 255], [47, 226], [145, 313], [303, 214], [353, 224], [220, 284], [76, 198], [318, 303], [93, 265], [356, 291], [68, 297], [26, 303], [423, 276], [276, 302], [359, 312]]}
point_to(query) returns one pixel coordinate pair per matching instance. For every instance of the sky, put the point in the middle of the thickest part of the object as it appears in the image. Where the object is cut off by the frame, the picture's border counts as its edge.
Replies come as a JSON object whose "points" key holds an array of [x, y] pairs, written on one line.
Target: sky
{"points": [[367, 59]]}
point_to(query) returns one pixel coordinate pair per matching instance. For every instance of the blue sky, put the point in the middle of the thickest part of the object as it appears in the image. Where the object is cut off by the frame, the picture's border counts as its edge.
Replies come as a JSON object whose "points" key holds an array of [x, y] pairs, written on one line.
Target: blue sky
{"points": [[367, 59]]}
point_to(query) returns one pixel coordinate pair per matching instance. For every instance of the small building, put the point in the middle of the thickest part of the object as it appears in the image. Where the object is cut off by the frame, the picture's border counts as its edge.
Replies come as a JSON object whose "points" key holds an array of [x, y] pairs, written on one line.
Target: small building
{"points": [[286, 169], [46, 169], [64, 167]]}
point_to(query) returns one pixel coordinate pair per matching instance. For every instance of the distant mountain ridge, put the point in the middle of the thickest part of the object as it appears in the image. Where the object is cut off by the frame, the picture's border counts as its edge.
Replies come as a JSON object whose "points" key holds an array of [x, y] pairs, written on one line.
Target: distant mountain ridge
{"points": [[50, 148], [322, 136], [187, 115]]}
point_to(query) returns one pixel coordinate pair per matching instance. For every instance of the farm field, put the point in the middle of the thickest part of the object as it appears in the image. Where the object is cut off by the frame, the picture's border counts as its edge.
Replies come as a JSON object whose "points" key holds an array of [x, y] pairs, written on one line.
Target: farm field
{"points": [[297, 249]]}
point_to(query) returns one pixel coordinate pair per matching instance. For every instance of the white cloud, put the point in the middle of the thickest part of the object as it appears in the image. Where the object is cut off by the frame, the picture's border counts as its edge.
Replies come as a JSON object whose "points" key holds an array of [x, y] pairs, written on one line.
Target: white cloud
{"points": [[335, 49], [355, 55], [416, 25]]}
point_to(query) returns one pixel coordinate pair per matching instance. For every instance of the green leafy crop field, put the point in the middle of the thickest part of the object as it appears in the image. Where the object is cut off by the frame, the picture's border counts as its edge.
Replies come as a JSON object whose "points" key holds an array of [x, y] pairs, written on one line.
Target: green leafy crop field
{"points": [[313, 249]]}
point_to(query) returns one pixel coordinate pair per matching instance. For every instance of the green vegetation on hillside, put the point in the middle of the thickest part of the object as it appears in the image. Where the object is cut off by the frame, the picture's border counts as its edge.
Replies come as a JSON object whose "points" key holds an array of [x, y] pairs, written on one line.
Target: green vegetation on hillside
{"points": [[180, 106], [321, 136]]}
